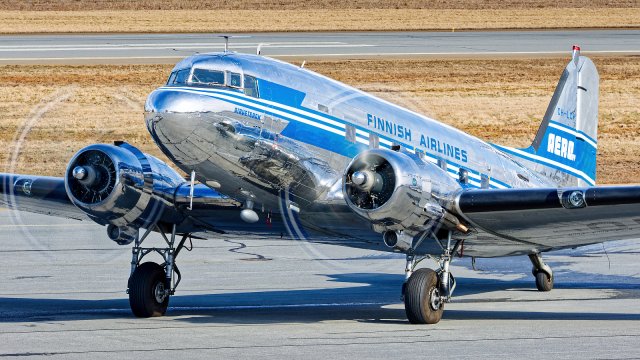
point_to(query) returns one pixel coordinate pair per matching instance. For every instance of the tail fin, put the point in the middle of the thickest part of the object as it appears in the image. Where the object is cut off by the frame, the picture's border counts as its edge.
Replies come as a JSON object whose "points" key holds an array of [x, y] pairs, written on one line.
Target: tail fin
{"points": [[566, 143]]}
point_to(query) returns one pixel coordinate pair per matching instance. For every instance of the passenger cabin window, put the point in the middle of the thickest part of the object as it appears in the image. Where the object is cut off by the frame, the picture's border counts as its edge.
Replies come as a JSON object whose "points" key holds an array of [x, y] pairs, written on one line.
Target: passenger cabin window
{"points": [[251, 86], [350, 133], [485, 181], [463, 176], [374, 141], [442, 164], [207, 77]]}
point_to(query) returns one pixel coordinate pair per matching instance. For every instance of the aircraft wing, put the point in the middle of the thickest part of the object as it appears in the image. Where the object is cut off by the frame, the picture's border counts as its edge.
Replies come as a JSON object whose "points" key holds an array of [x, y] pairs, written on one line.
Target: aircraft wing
{"points": [[37, 194], [554, 218], [47, 195]]}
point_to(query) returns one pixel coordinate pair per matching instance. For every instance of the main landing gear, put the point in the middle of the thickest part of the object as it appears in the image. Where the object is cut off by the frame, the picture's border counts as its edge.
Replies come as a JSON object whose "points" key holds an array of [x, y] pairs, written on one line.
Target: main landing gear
{"points": [[542, 272], [151, 284], [425, 291]]}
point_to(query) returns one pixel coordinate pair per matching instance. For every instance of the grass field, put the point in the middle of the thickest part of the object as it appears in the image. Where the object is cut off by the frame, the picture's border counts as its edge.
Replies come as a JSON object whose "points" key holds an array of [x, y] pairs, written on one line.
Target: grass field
{"points": [[78, 5], [56, 110], [82, 16], [233, 21]]}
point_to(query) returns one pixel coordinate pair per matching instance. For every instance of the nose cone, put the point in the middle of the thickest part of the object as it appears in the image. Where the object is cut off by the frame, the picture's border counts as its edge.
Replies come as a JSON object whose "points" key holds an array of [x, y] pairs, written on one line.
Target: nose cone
{"points": [[79, 173]]}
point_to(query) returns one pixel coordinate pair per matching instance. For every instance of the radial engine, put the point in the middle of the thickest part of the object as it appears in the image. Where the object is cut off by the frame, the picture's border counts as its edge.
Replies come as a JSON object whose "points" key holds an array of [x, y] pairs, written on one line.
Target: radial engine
{"points": [[123, 188], [400, 194]]}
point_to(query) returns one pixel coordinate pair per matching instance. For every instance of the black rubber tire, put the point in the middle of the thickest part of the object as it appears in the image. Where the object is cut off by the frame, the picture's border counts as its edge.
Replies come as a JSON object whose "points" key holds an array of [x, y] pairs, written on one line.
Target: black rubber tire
{"points": [[416, 298], [543, 281], [142, 286]]}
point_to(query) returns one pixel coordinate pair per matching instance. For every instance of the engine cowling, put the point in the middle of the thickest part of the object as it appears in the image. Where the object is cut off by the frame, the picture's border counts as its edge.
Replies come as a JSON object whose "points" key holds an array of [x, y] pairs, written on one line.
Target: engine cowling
{"points": [[119, 186], [397, 192]]}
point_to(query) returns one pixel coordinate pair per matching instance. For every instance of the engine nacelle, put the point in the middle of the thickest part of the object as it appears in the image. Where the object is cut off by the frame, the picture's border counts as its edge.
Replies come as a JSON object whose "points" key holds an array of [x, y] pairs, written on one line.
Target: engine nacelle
{"points": [[119, 186], [396, 192]]}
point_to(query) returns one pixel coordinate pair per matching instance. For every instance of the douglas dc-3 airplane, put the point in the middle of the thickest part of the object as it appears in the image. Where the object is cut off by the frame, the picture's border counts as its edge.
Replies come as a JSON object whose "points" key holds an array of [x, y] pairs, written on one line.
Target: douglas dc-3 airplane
{"points": [[275, 148]]}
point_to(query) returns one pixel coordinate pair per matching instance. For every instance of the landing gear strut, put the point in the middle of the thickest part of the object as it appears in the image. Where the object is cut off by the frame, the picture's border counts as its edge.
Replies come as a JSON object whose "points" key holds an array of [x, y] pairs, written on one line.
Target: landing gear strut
{"points": [[425, 291], [151, 284], [542, 272]]}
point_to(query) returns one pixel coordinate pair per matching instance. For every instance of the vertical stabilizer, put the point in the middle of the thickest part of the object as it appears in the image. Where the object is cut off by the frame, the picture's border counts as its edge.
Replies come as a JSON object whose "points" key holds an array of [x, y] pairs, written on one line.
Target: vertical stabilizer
{"points": [[564, 149]]}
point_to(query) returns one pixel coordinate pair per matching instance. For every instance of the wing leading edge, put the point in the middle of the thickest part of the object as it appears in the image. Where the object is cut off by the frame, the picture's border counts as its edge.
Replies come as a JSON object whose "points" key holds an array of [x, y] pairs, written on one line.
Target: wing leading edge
{"points": [[554, 218], [37, 194]]}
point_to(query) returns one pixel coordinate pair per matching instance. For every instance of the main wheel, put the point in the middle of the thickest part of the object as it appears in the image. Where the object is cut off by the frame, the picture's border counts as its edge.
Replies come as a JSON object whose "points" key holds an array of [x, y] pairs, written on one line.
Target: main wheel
{"points": [[422, 301], [147, 292], [544, 282]]}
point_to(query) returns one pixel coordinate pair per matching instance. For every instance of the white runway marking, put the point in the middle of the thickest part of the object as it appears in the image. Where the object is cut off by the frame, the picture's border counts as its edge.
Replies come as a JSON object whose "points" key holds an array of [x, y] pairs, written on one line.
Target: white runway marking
{"points": [[163, 45], [470, 54], [42, 225], [213, 47], [241, 307]]}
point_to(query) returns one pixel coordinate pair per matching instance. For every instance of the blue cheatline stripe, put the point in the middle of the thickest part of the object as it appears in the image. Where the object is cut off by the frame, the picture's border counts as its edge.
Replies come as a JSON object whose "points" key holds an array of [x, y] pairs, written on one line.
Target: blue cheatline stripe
{"points": [[339, 148], [578, 158], [334, 126], [574, 132], [325, 118], [328, 141], [547, 162], [261, 107]]}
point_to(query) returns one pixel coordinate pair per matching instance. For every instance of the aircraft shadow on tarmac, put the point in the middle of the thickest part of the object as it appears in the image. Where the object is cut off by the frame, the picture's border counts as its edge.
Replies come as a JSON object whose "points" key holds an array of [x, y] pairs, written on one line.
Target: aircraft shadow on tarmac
{"points": [[365, 302]]}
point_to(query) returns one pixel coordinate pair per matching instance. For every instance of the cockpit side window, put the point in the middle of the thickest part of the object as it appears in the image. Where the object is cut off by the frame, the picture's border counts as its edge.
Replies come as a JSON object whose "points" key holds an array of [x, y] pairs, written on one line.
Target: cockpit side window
{"points": [[207, 77], [181, 77], [251, 86], [235, 80]]}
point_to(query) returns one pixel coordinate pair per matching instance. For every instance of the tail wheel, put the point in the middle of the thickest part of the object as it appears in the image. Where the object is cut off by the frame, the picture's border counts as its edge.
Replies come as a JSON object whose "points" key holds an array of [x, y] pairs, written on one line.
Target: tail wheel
{"points": [[544, 282], [148, 295], [422, 301]]}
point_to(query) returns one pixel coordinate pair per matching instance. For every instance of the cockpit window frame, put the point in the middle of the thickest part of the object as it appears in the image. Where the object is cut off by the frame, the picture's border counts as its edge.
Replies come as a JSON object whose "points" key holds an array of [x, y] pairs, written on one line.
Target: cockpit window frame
{"points": [[179, 74], [194, 69], [242, 80], [172, 78]]}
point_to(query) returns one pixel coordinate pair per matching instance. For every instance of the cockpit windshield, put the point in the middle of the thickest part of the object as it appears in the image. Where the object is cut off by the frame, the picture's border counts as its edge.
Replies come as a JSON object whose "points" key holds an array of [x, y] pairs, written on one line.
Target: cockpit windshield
{"points": [[214, 78], [207, 77], [180, 77]]}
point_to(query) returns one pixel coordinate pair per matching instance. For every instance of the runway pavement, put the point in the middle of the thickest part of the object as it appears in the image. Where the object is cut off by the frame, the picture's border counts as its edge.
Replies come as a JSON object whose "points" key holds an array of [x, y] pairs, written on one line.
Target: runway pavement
{"points": [[169, 48], [62, 296]]}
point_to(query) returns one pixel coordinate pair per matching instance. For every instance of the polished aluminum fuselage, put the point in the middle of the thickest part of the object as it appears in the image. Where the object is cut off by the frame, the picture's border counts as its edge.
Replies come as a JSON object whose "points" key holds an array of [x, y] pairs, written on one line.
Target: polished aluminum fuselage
{"points": [[287, 149]]}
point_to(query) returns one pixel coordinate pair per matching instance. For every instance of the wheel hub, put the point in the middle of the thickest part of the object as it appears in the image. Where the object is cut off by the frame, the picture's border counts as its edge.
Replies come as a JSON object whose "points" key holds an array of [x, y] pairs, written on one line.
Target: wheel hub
{"points": [[434, 299], [160, 292]]}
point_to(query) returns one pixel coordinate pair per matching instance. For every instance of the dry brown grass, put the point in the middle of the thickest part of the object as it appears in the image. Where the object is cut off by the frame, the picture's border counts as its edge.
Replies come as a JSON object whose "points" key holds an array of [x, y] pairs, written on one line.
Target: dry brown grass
{"points": [[77, 5], [498, 100], [164, 21]]}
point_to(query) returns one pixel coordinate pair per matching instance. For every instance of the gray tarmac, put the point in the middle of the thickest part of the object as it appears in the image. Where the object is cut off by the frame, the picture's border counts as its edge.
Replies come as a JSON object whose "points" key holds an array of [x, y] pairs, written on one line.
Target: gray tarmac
{"points": [[169, 48], [62, 296]]}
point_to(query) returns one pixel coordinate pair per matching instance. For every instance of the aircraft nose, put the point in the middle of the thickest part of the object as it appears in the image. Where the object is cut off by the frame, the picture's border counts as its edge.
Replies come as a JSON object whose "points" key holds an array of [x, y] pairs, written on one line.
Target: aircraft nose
{"points": [[170, 116], [160, 101]]}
